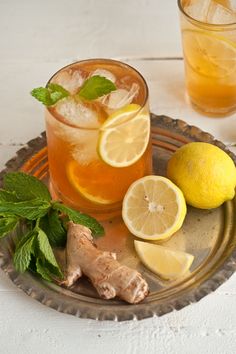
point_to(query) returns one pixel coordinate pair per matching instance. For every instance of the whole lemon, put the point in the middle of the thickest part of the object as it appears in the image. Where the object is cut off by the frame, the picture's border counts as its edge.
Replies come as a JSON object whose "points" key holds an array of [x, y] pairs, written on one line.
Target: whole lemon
{"points": [[205, 174]]}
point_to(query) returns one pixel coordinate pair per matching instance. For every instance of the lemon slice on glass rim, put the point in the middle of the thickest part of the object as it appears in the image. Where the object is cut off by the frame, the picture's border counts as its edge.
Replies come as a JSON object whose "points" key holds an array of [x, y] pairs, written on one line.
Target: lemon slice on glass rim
{"points": [[122, 141], [169, 264], [153, 208], [121, 115]]}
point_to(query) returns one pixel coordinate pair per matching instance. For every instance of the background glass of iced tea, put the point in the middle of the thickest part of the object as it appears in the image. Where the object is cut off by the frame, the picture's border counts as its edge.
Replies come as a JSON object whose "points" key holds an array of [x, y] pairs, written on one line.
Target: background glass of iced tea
{"points": [[79, 177], [209, 45]]}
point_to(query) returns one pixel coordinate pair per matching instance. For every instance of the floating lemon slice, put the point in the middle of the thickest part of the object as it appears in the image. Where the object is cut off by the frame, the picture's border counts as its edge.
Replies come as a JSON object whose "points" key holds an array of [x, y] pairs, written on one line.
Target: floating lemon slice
{"points": [[87, 191], [153, 208], [121, 143], [165, 262], [209, 54]]}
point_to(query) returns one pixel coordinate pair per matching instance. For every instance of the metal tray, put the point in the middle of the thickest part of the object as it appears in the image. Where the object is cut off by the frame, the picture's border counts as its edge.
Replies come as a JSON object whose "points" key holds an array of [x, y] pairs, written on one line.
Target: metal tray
{"points": [[210, 235]]}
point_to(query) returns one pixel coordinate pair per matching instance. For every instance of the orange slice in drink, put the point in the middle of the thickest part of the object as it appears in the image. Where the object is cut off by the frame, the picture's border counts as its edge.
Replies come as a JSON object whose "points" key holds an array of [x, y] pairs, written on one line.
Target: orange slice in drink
{"points": [[93, 191]]}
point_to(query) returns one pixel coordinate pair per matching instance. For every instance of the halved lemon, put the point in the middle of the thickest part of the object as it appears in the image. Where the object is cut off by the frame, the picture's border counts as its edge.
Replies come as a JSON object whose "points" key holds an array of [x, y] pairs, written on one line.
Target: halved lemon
{"points": [[169, 264], [123, 143], [121, 115], [153, 208], [88, 190], [209, 54]]}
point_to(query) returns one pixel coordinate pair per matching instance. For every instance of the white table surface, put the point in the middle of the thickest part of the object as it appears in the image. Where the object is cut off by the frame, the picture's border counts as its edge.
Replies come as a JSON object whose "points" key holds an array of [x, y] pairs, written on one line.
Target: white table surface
{"points": [[36, 39]]}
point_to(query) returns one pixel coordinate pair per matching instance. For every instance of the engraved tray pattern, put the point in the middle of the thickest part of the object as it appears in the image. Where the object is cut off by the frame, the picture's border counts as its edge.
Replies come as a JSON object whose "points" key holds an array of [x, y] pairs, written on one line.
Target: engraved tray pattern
{"points": [[210, 235]]}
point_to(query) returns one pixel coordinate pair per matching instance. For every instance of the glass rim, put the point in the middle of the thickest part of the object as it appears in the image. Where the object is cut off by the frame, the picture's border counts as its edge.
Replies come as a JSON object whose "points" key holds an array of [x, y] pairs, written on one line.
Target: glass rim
{"points": [[213, 26], [113, 61]]}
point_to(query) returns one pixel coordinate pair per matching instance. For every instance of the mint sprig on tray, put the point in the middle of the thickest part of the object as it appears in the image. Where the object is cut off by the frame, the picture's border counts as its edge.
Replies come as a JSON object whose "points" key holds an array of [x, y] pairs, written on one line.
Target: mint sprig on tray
{"points": [[94, 87], [25, 200]]}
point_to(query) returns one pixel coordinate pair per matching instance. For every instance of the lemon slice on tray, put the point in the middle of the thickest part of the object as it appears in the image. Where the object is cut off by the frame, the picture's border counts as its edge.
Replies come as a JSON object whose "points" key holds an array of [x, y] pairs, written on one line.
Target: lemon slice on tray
{"points": [[209, 54], [122, 141], [153, 208], [169, 264]]}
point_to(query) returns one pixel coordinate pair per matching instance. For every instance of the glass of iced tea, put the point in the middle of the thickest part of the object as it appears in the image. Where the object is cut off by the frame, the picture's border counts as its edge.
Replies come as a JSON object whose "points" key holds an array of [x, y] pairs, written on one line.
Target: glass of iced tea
{"points": [[209, 45], [98, 147]]}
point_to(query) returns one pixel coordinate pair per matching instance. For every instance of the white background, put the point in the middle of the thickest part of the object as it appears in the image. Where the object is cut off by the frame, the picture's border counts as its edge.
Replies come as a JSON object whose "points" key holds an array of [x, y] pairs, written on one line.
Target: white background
{"points": [[36, 39]]}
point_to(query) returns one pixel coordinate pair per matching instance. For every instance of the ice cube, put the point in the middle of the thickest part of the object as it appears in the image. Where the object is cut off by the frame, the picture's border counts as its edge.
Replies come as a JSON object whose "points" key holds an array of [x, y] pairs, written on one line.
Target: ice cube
{"points": [[85, 153], [71, 80], [229, 4], [219, 14], [82, 142], [105, 73], [70, 135], [198, 9], [212, 11], [232, 6], [77, 114], [120, 98]]}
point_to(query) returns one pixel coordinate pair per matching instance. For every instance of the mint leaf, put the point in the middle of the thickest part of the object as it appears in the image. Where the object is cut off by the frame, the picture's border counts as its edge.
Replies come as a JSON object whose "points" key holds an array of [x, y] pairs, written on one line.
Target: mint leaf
{"points": [[54, 271], [22, 255], [80, 218], [96, 86], [30, 209], [49, 95], [42, 270], [7, 196], [7, 224], [22, 239], [42, 94], [57, 89], [34, 259], [52, 225], [46, 250], [25, 187]]}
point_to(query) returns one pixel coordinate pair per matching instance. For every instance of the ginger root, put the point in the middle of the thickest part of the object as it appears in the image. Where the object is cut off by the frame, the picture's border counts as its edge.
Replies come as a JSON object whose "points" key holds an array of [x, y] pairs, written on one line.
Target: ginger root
{"points": [[107, 275]]}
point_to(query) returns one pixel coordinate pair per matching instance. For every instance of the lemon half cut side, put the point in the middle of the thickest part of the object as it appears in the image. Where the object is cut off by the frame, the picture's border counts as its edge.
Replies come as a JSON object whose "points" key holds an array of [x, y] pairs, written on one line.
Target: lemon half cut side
{"points": [[153, 208]]}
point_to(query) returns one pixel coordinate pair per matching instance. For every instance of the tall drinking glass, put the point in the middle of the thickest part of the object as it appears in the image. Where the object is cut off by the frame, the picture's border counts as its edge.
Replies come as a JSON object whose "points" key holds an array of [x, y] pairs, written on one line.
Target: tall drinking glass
{"points": [[97, 148], [209, 46]]}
